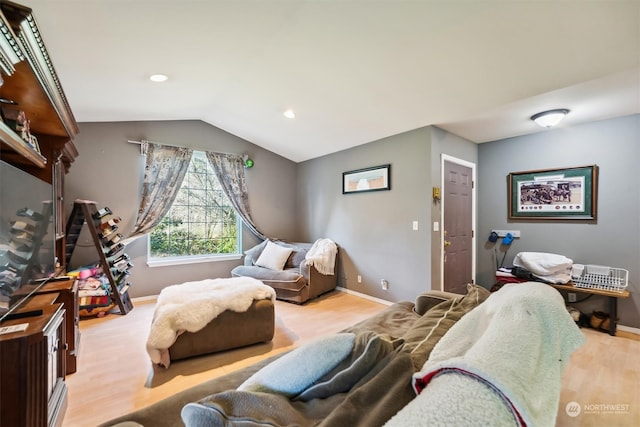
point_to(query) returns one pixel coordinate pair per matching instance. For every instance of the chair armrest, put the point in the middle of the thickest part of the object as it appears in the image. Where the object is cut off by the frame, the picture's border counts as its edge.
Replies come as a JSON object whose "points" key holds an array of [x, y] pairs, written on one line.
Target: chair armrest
{"points": [[305, 270], [318, 283]]}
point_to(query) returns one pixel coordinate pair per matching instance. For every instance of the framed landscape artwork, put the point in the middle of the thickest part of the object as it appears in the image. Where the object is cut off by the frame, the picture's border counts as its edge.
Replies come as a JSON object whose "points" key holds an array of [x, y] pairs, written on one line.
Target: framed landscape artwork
{"points": [[376, 178], [570, 193]]}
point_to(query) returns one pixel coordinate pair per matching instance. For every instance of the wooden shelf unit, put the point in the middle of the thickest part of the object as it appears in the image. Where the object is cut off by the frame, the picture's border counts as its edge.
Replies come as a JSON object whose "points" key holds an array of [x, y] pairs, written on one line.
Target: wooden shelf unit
{"points": [[32, 362], [84, 212]]}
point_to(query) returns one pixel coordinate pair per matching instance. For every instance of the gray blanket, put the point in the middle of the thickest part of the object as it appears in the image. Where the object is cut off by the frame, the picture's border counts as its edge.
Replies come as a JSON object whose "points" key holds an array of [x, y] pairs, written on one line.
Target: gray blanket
{"points": [[250, 405]]}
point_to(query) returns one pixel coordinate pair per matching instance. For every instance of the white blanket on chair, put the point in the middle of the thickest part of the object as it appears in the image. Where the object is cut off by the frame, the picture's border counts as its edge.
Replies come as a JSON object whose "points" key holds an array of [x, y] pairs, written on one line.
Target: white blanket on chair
{"points": [[191, 306], [322, 256]]}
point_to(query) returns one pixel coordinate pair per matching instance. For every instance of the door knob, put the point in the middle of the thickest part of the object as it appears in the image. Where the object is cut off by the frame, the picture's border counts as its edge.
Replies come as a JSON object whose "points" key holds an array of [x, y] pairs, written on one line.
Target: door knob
{"points": [[447, 243]]}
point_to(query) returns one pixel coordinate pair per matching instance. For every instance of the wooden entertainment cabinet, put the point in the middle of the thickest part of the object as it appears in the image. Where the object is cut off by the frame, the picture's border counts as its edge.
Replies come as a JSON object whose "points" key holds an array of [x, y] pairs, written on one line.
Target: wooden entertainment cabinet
{"points": [[34, 361], [32, 366]]}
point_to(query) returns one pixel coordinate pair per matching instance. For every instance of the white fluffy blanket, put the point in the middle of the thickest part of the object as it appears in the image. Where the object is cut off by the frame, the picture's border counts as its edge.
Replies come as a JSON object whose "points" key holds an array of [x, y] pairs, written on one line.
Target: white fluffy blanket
{"points": [[549, 267], [322, 256], [191, 306], [515, 345]]}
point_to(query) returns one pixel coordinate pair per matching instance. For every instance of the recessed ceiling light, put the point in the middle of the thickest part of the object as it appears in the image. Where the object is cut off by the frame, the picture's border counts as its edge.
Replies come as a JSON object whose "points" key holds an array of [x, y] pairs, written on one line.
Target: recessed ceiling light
{"points": [[158, 78], [289, 114]]}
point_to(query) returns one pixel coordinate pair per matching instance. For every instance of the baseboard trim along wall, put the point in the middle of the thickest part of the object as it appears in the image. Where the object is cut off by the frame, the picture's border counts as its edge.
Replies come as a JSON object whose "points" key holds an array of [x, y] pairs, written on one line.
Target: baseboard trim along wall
{"points": [[628, 329], [145, 298], [361, 295]]}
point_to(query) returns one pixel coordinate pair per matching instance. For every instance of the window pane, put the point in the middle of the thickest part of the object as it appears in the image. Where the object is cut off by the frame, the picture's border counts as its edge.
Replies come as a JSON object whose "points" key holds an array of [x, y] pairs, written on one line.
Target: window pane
{"points": [[201, 220]]}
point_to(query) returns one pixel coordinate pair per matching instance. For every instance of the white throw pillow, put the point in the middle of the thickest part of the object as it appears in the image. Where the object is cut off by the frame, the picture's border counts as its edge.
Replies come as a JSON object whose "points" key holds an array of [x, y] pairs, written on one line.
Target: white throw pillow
{"points": [[273, 256]]}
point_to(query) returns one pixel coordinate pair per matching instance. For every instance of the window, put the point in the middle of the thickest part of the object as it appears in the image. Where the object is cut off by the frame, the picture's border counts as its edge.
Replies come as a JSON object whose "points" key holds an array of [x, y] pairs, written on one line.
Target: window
{"points": [[201, 223]]}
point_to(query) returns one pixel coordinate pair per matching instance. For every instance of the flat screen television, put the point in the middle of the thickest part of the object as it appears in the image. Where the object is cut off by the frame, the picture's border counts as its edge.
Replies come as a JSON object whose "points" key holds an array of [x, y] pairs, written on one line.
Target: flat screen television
{"points": [[27, 236]]}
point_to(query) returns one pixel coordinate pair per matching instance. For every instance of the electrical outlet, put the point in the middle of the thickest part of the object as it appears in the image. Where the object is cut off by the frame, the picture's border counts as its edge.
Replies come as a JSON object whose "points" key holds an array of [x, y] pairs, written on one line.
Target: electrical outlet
{"points": [[385, 284], [359, 278], [571, 297], [502, 233]]}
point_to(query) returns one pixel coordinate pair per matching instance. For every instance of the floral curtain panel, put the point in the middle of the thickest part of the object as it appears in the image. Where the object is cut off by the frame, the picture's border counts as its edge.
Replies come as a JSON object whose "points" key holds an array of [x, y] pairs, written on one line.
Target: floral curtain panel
{"points": [[164, 172], [229, 169]]}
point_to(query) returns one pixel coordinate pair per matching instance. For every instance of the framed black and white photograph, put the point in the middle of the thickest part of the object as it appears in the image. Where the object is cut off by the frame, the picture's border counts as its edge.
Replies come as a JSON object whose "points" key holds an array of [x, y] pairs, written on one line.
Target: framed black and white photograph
{"points": [[375, 178], [569, 193]]}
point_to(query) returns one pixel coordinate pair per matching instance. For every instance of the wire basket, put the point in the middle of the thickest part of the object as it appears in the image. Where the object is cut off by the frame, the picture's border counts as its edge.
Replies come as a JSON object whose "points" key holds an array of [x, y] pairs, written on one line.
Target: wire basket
{"points": [[601, 277]]}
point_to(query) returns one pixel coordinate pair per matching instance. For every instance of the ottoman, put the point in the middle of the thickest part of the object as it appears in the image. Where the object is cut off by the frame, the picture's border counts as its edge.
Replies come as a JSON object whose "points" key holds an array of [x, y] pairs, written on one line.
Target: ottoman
{"points": [[201, 317], [229, 330]]}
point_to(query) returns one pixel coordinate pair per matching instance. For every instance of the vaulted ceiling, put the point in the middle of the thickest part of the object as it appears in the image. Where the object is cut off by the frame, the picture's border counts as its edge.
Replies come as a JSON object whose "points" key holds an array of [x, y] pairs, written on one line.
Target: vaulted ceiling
{"points": [[353, 71]]}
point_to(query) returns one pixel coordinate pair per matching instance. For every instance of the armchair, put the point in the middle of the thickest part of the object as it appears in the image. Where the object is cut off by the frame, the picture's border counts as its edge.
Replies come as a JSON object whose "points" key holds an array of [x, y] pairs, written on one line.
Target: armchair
{"points": [[296, 282]]}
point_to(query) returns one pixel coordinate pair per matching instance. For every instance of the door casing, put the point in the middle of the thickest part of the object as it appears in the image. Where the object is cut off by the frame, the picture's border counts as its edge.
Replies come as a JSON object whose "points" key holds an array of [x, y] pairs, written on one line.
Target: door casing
{"points": [[447, 158]]}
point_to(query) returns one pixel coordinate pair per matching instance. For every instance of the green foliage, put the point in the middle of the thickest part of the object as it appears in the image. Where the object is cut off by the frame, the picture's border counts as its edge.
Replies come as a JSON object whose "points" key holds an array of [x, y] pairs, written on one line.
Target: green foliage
{"points": [[200, 221]]}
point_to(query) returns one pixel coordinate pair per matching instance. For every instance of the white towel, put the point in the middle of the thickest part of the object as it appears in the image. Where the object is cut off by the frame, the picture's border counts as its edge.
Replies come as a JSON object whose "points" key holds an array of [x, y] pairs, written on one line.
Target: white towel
{"points": [[549, 267]]}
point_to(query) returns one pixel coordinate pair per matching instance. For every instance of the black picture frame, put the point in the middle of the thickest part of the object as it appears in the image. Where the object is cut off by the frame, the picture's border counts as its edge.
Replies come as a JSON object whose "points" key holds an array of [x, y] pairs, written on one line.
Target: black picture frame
{"points": [[376, 178], [554, 194]]}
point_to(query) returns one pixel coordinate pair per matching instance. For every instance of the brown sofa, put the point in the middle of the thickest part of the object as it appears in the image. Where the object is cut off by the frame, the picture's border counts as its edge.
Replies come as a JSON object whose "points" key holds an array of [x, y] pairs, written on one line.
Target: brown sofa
{"points": [[296, 282], [409, 347], [385, 390]]}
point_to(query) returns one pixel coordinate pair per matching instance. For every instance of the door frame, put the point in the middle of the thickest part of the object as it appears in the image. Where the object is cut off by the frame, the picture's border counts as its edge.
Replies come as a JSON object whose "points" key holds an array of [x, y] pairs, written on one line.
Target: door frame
{"points": [[451, 159]]}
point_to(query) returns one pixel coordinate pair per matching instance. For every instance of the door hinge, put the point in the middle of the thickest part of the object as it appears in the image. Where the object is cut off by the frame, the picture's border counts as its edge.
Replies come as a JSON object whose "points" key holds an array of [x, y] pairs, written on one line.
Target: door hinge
{"points": [[473, 234], [473, 184]]}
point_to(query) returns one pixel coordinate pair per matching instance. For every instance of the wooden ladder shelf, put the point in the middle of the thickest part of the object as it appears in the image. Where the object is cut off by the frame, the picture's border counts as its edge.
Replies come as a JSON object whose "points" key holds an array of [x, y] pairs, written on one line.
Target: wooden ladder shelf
{"points": [[85, 211]]}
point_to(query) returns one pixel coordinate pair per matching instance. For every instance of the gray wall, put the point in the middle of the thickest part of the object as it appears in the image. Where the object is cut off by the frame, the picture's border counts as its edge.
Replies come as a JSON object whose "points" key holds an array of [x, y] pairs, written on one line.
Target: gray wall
{"points": [[109, 171], [613, 240], [374, 230]]}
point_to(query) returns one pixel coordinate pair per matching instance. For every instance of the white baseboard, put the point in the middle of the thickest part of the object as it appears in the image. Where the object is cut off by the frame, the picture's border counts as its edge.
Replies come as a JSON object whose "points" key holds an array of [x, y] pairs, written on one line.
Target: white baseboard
{"points": [[628, 329], [145, 298], [339, 288], [361, 295]]}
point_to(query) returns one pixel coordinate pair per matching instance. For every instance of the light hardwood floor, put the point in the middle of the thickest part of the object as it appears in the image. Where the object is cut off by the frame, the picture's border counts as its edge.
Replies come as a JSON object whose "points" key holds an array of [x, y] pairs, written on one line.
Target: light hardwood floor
{"points": [[115, 376]]}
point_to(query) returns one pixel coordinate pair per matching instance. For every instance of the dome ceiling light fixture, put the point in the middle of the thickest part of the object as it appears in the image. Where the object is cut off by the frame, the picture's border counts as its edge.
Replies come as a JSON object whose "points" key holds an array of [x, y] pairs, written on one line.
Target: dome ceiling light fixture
{"points": [[550, 118], [289, 114]]}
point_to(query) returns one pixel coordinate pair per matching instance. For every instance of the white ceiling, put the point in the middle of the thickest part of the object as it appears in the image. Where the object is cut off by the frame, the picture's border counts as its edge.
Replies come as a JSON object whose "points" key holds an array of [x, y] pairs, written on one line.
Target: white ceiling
{"points": [[353, 71]]}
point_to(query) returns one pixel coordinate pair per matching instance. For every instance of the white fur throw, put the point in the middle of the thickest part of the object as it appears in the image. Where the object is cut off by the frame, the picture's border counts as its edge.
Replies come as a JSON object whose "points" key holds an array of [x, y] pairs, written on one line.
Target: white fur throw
{"points": [[191, 306], [322, 256]]}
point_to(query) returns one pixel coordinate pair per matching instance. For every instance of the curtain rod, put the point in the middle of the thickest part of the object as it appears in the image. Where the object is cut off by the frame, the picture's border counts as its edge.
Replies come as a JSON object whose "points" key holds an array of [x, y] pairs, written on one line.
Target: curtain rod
{"points": [[143, 147]]}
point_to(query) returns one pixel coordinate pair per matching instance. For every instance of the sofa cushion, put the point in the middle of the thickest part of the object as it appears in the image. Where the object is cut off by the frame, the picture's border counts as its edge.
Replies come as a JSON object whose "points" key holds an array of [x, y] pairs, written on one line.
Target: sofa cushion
{"points": [[253, 253], [296, 258], [423, 335], [273, 256], [278, 279], [298, 370], [369, 349], [428, 300], [241, 408]]}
